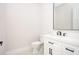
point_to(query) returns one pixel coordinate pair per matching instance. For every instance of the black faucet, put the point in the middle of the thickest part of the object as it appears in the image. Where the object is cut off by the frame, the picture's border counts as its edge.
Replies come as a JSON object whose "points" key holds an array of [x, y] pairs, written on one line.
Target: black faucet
{"points": [[59, 33]]}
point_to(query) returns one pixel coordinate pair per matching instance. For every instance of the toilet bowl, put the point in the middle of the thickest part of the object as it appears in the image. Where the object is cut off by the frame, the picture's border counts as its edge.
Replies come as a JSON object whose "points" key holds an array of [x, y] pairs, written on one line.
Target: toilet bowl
{"points": [[37, 47]]}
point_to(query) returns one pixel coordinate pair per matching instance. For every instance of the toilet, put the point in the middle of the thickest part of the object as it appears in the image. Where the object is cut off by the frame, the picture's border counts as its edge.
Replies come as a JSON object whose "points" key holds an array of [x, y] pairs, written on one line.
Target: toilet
{"points": [[37, 48]]}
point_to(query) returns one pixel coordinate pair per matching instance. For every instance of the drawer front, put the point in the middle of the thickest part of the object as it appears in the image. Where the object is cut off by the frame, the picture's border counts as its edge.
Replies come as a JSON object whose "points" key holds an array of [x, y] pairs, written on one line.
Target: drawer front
{"points": [[52, 47], [70, 50]]}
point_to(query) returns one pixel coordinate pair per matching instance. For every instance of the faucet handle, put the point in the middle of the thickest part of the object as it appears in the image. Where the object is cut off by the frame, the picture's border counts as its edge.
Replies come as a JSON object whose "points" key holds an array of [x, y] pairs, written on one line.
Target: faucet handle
{"points": [[64, 34], [59, 33]]}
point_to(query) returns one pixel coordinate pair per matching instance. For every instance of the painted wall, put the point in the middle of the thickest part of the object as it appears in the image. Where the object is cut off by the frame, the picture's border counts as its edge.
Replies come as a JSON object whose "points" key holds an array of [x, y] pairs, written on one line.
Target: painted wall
{"points": [[22, 25], [25, 23], [46, 16], [76, 16], [2, 27]]}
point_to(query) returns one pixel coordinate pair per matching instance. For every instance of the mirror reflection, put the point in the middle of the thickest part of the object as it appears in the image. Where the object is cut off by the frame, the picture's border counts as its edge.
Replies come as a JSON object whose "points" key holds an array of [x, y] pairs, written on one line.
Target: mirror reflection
{"points": [[66, 16]]}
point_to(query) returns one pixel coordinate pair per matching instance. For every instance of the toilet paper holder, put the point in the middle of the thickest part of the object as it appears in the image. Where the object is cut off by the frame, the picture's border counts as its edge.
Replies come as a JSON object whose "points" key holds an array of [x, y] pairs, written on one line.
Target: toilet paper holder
{"points": [[1, 42]]}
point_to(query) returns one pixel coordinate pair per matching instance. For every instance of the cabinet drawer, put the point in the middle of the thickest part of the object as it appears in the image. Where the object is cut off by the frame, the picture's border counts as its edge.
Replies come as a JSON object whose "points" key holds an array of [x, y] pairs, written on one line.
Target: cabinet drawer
{"points": [[70, 50], [52, 47]]}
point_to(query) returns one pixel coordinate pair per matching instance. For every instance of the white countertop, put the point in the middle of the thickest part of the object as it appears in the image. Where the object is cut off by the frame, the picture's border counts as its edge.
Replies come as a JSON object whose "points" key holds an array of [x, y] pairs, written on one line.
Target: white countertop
{"points": [[71, 37]]}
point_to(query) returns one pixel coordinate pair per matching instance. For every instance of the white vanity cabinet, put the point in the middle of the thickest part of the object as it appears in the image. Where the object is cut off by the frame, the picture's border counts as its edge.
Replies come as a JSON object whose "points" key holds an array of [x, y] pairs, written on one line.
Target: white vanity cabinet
{"points": [[53, 47]]}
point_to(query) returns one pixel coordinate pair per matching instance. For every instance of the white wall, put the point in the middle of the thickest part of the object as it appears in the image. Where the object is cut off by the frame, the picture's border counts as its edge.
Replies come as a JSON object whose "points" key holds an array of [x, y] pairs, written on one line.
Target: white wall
{"points": [[25, 23], [46, 15], [2, 27], [76, 16], [22, 25]]}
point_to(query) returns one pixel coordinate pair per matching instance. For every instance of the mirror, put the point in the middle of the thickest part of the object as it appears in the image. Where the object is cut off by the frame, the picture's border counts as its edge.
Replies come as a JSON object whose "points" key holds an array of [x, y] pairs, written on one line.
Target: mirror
{"points": [[66, 16]]}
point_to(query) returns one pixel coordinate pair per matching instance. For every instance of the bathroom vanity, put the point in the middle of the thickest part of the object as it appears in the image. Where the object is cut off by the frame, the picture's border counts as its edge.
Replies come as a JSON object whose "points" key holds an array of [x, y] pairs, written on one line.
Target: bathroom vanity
{"points": [[61, 45], [64, 40]]}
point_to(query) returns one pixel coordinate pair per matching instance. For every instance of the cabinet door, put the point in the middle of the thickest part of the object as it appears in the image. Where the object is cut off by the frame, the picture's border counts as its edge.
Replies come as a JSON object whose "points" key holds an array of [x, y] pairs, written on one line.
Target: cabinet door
{"points": [[57, 48], [52, 47], [46, 46]]}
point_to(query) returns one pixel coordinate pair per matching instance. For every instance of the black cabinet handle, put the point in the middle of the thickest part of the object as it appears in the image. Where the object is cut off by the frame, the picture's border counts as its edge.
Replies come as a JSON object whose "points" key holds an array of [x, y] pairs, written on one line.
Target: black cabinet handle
{"points": [[50, 51], [51, 43], [69, 50]]}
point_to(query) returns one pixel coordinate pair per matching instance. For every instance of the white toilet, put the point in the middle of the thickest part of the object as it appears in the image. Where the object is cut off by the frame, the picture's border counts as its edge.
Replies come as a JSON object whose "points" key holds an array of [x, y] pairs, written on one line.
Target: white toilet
{"points": [[37, 47]]}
